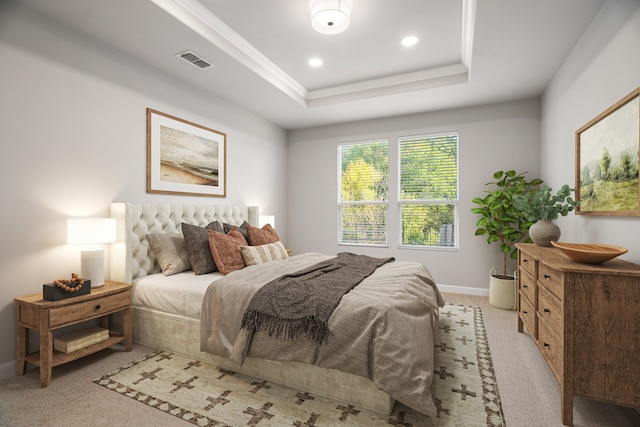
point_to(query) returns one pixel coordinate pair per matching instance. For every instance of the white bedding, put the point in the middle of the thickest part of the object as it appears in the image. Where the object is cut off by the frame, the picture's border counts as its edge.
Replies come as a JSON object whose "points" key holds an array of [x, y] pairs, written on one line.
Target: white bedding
{"points": [[180, 293]]}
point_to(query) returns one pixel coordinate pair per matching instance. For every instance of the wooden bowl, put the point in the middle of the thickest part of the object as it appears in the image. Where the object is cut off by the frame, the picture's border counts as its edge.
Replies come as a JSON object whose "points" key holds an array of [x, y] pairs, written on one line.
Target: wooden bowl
{"points": [[589, 253]]}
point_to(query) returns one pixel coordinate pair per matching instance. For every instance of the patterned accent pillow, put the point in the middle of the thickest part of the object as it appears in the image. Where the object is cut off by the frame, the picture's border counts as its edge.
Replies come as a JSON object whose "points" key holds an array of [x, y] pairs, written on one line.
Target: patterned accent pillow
{"points": [[253, 255], [262, 236], [170, 251], [225, 249], [196, 240], [242, 229]]}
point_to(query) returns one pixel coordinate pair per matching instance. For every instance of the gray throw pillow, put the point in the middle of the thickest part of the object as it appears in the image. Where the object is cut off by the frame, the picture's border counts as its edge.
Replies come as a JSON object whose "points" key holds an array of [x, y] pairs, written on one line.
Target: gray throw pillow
{"points": [[196, 240], [242, 229]]}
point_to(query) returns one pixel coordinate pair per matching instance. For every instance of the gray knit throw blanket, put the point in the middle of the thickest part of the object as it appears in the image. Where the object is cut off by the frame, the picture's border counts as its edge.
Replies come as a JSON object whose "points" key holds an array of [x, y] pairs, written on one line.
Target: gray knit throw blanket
{"points": [[302, 302]]}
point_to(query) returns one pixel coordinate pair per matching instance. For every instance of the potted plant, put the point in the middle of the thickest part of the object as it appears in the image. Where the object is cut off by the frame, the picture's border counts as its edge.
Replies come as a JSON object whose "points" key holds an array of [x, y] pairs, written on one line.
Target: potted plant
{"points": [[541, 208], [501, 222]]}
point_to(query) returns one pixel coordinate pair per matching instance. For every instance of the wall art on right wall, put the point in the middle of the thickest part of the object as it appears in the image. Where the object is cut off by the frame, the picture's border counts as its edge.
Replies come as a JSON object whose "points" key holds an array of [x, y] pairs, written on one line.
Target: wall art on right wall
{"points": [[607, 151]]}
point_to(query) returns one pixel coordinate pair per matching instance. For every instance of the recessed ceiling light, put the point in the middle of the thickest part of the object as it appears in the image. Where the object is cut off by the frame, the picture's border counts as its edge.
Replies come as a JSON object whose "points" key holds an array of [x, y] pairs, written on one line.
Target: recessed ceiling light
{"points": [[315, 62], [409, 41]]}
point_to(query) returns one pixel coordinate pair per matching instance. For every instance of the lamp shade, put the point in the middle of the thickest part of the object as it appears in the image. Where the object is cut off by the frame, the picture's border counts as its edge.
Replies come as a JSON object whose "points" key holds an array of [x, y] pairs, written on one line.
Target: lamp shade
{"points": [[266, 219], [90, 231], [330, 16]]}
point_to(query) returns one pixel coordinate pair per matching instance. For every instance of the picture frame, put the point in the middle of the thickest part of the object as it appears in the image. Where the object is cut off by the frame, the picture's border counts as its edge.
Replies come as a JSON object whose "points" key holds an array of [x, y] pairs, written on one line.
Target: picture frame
{"points": [[607, 150], [184, 157]]}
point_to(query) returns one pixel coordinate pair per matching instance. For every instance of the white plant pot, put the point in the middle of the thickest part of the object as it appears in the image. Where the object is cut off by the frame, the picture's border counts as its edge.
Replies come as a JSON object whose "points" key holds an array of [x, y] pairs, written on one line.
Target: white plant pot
{"points": [[503, 292]]}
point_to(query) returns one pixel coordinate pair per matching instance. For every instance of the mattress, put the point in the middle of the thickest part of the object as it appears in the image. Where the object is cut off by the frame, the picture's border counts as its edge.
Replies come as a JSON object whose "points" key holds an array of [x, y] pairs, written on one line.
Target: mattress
{"points": [[180, 293]]}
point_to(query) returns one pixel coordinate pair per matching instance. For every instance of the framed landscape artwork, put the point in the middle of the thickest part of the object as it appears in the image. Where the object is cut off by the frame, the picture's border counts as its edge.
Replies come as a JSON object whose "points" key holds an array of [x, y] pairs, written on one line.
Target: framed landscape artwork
{"points": [[184, 157], [607, 161]]}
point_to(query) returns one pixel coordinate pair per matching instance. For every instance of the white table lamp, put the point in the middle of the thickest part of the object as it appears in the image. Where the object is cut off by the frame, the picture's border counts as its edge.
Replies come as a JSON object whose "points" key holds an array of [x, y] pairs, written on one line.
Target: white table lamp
{"points": [[91, 231], [266, 219]]}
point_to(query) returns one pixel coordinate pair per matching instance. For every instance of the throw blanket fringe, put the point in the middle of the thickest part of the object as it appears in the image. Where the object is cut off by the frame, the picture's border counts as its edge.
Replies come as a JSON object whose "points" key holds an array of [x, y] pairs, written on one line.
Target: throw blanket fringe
{"points": [[301, 303], [288, 329]]}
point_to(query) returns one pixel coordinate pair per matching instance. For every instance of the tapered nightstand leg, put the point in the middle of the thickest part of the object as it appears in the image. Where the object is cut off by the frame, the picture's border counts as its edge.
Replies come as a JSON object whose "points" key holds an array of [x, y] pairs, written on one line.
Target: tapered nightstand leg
{"points": [[128, 334], [22, 349], [46, 352]]}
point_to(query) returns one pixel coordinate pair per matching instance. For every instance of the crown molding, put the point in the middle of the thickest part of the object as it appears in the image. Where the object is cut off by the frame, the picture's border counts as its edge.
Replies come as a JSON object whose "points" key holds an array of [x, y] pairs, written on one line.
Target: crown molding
{"points": [[201, 20]]}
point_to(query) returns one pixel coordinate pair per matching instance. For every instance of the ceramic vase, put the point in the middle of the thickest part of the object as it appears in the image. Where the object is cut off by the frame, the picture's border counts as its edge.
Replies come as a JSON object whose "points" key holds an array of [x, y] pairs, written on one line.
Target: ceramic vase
{"points": [[543, 232]]}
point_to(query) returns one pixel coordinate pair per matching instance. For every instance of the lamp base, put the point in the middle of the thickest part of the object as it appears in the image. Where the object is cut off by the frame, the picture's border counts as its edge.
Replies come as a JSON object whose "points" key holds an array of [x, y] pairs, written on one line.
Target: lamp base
{"points": [[92, 266]]}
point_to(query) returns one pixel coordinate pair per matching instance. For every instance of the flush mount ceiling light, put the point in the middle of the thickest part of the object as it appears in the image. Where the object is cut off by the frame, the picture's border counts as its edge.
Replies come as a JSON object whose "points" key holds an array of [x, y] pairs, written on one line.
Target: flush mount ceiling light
{"points": [[330, 16], [409, 41]]}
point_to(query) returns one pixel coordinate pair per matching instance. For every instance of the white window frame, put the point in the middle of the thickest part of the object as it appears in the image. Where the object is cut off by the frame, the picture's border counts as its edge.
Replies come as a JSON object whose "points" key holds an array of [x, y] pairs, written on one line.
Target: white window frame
{"points": [[341, 203], [394, 210], [455, 203]]}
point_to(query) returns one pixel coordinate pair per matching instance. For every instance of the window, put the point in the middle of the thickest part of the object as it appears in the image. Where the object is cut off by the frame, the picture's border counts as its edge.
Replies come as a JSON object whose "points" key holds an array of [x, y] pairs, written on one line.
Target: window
{"points": [[428, 194], [426, 179], [363, 193]]}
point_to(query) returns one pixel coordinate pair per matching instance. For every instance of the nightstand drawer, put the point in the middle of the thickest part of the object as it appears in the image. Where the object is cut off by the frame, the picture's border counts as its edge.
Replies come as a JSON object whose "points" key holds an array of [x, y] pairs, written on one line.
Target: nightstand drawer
{"points": [[528, 285], [88, 310], [550, 278]]}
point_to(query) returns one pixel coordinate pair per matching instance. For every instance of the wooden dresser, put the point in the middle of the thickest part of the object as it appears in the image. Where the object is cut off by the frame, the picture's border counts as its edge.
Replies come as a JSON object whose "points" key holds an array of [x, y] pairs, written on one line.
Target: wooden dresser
{"points": [[585, 319]]}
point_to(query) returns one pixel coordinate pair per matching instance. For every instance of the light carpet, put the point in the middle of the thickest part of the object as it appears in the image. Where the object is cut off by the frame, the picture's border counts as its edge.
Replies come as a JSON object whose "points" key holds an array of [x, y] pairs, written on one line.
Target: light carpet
{"points": [[464, 388]]}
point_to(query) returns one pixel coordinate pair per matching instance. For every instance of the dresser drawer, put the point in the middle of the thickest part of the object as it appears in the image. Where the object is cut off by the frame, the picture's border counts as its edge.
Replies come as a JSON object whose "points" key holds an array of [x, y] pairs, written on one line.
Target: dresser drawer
{"points": [[88, 310], [551, 347], [527, 263], [528, 285], [550, 309], [550, 278], [527, 313]]}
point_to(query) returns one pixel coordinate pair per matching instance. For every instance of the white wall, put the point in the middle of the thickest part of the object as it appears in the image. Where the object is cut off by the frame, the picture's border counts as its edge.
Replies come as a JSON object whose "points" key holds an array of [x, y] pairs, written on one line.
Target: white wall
{"points": [[492, 137], [602, 69], [73, 139]]}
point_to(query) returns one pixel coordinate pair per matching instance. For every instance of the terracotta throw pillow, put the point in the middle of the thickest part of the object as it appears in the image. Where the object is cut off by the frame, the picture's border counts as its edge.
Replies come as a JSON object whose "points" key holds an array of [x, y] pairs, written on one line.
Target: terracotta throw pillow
{"points": [[225, 249], [262, 236]]}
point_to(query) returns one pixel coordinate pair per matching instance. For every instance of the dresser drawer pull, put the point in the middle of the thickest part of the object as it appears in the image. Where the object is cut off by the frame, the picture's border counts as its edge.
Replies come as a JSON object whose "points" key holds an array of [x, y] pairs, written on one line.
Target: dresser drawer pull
{"points": [[525, 311], [525, 260], [546, 310], [98, 307], [546, 276], [525, 286], [546, 345]]}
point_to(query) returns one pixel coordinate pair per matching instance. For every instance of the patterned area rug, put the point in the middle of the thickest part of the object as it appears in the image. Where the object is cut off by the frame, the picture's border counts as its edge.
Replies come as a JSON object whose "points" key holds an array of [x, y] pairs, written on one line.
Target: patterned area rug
{"points": [[464, 388]]}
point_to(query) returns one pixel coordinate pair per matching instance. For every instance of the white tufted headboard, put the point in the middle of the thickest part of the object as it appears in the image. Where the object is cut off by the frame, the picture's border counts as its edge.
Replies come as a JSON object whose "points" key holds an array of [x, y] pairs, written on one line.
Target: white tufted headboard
{"points": [[131, 257]]}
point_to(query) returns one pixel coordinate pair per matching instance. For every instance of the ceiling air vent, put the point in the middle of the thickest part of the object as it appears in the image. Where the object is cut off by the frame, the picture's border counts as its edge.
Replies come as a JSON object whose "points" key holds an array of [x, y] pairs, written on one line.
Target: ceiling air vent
{"points": [[194, 59]]}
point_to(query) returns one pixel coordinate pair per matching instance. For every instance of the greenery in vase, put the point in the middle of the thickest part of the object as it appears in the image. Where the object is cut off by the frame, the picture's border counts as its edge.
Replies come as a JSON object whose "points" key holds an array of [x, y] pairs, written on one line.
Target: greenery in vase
{"points": [[544, 205], [499, 219]]}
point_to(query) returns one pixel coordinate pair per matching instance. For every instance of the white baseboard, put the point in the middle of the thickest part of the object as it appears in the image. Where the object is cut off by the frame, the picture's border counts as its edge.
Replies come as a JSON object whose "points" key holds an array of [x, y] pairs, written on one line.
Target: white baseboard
{"points": [[464, 290], [8, 369]]}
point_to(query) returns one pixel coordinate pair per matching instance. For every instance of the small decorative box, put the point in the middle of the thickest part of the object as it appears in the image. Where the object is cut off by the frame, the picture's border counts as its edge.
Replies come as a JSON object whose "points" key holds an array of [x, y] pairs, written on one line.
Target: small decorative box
{"points": [[51, 292]]}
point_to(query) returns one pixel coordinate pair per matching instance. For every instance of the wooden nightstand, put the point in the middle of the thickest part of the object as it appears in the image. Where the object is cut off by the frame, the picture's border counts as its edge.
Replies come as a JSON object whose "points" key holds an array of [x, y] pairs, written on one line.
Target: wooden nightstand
{"points": [[45, 316]]}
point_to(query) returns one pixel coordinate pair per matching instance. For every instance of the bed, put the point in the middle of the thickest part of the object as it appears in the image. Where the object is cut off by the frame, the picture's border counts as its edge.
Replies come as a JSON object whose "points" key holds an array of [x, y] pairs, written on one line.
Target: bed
{"points": [[167, 313]]}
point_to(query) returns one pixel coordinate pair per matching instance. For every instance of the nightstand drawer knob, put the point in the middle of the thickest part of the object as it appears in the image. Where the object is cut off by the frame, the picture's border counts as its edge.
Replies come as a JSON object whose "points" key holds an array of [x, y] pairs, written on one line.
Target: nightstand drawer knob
{"points": [[98, 307]]}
